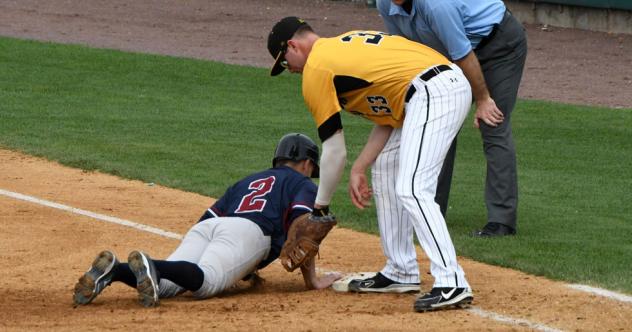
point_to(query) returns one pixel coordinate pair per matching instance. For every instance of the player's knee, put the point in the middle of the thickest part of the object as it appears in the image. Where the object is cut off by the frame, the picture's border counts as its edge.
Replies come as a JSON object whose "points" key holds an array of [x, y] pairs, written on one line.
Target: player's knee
{"points": [[403, 193], [408, 193]]}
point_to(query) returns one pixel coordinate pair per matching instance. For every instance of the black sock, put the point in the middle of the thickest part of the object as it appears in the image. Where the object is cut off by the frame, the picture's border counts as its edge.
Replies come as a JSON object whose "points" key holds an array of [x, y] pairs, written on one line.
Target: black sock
{"points": [[124, 275], [185, 274]]}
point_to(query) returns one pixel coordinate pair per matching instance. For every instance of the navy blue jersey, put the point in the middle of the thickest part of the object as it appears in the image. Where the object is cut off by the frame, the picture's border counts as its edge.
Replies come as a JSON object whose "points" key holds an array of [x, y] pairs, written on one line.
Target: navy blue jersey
{"points": [[272, 199]]}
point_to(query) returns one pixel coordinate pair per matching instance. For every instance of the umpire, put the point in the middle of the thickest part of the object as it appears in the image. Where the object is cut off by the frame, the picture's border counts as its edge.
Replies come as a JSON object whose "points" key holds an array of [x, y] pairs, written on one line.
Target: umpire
{"points": [[490, 46]]}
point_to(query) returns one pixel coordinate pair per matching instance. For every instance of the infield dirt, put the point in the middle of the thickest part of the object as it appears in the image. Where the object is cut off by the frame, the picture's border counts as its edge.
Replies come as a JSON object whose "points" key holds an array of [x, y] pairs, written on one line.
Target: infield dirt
{"points": [[44, 250]]}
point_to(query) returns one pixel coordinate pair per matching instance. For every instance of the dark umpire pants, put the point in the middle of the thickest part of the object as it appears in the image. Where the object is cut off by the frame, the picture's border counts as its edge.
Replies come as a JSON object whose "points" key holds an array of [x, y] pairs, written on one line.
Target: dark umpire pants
{"points": [[502, 57]]}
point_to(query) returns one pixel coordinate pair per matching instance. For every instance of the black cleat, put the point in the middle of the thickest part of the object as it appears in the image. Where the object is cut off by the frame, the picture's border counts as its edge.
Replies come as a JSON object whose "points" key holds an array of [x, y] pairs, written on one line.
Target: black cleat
{"points": [[94, 281], [443, 298], [146, 279], [381, 284]]}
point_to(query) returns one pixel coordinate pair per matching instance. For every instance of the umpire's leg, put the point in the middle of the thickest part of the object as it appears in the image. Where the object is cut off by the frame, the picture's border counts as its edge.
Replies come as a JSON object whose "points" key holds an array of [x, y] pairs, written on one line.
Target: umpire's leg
{"points": [[445, 180], [502, 61]]}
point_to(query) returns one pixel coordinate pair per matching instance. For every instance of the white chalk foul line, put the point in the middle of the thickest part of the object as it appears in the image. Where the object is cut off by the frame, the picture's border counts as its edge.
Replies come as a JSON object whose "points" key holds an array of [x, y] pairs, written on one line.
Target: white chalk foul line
{"points": [[510, 320], [98, 216], [602, 292], [474, 310]]}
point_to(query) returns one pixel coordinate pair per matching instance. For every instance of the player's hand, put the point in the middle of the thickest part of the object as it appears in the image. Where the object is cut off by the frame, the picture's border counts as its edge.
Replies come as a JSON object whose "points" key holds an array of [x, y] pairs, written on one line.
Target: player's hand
{"points": [[359, 189], [487, 111], [326, 280], [322, 214]]}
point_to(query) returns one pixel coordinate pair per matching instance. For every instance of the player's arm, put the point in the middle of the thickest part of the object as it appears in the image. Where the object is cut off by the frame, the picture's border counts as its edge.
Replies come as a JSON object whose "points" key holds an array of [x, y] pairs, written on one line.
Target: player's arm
{"points": [[308, 269], [359, 189], [311, 278], [321, 98], [332, 164]]}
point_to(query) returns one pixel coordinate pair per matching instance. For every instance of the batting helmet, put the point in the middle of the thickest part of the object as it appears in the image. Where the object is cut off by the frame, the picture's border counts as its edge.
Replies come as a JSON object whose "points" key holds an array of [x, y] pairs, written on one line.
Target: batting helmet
{"points": [[297, 147]]}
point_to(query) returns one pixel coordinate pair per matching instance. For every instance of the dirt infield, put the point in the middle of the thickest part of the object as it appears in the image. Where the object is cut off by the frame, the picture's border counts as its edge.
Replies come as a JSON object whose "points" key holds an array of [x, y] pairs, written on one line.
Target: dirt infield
{"points": [[44, 250]]}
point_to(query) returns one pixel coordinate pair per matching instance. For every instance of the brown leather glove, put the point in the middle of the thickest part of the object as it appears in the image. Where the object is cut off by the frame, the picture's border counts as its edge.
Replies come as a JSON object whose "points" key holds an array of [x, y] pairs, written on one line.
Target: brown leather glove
{"points": [[304, 238]]}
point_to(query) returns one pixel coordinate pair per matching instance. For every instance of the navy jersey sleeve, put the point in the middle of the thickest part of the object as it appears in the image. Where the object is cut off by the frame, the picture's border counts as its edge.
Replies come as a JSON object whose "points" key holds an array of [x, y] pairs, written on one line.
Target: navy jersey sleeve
{"points": [[303, 202]]}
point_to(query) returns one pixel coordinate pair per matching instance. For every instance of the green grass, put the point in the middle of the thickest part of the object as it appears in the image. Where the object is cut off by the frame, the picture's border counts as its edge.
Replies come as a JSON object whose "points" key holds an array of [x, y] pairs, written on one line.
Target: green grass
{"points": [[199, 126]]}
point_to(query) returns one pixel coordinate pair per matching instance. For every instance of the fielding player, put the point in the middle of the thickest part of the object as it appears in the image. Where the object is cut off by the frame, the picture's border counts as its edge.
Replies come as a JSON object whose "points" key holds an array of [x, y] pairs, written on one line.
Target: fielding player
{"points": [[417, 100]]}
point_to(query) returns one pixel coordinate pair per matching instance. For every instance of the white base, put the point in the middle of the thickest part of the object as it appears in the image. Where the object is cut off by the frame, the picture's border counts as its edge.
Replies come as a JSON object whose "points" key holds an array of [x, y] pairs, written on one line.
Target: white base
{"points": [[342, 285]]}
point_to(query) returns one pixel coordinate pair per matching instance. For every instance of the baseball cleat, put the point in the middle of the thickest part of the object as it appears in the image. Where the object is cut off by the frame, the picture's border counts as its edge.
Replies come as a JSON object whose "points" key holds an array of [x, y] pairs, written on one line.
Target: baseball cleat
{"points": [[443, 298], [381, 284], [96, 278], [146, 278]]}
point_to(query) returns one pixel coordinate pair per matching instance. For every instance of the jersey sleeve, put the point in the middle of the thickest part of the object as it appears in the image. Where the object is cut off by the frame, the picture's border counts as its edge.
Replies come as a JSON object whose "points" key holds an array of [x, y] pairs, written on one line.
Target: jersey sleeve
{"points": [[319, 93], [446, 20], [303, 201]]}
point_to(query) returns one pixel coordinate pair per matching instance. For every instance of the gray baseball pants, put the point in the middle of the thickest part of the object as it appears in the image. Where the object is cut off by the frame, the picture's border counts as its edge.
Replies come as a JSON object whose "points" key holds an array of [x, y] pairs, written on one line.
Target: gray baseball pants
{"points": [[502, 60]]}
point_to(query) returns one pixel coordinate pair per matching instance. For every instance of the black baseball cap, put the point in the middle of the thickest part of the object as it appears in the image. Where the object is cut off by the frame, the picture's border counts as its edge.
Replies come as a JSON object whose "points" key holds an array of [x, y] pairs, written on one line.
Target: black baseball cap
{"points": [[277, 40]]}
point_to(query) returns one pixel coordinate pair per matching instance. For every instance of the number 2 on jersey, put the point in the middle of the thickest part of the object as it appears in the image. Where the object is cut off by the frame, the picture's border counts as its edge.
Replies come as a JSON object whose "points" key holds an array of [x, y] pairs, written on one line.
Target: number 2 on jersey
{"points": [[253, 201]]}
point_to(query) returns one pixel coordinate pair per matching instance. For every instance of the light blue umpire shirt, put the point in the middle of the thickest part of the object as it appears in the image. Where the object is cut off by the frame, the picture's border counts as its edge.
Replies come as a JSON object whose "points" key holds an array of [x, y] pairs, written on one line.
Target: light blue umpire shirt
{"points": [[452, 27]]}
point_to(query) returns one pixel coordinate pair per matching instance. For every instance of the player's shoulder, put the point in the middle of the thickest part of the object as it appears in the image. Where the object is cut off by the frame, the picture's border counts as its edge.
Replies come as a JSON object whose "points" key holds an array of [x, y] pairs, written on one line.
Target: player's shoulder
{"points": [[293, 177], [285, 173], [258, 175], [281, 174], [307, 184], [343, 37]]}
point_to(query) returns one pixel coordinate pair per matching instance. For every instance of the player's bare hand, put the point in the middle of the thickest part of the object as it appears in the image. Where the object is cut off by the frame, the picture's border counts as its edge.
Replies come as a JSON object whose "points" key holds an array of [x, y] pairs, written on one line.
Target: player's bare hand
{"points": [[327, 279], [359, 189], [487, 111]]}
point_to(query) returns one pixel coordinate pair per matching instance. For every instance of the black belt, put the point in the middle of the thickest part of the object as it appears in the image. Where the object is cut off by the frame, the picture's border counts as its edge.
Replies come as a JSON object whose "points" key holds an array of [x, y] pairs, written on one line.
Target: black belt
{"points": [[429, 74]]}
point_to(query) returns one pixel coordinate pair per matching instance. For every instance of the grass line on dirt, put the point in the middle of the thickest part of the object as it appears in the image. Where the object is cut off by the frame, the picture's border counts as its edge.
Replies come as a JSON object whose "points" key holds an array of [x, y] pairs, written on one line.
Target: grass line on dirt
{"points": [[198, 126]]}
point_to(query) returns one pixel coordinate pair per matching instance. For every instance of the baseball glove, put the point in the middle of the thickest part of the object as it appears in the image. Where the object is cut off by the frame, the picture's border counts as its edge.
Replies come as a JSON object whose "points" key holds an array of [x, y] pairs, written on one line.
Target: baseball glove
{"points": [[303, 239]]}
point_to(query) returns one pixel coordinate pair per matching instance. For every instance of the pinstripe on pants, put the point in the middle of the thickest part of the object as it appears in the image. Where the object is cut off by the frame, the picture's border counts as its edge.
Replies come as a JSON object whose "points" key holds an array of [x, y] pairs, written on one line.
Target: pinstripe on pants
{"points": [[405, 178]]}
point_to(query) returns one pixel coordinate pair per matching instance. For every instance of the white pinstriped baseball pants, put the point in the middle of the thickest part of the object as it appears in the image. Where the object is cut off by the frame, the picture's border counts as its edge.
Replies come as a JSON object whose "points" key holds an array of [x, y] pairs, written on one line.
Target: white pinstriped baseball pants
{"points": [[405, 175]]}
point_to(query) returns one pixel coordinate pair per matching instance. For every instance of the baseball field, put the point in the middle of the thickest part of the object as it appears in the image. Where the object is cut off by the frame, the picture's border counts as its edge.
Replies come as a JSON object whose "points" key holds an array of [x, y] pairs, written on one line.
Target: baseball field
{"points": [[120, 123]]}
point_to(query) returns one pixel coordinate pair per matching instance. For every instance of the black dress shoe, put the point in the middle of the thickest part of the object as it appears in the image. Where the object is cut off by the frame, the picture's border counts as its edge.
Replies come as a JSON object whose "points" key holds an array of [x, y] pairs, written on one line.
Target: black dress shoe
{"points": [[493, 229]]}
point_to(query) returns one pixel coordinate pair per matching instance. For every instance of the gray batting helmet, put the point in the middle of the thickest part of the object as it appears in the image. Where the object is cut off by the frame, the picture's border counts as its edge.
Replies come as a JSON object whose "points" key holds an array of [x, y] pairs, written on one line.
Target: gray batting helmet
{"points": [[297, 147]]}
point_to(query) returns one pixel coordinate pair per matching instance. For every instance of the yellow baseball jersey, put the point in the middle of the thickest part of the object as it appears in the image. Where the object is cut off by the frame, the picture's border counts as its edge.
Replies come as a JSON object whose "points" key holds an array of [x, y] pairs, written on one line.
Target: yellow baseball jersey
{"points": [[365, 73]]}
